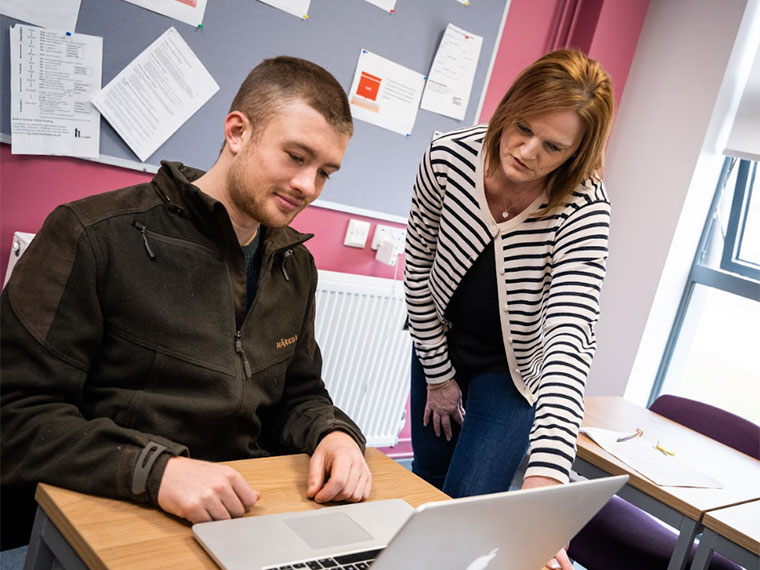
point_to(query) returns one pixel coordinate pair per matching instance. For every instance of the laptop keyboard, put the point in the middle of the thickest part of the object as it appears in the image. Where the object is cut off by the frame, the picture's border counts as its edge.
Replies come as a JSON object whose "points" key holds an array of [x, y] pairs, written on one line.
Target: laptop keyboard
{"points": [[355, 561]]}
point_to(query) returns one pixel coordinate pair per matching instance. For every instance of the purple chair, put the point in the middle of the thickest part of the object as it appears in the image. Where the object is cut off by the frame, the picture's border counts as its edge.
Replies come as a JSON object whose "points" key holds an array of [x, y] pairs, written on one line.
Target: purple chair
{"points": [[624, 537]]}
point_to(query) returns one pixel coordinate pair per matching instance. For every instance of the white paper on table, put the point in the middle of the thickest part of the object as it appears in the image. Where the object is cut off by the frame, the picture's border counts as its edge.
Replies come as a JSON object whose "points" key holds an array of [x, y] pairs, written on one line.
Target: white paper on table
{"points": [[385, 93], [54, 75], [187, 11], [299, 8], [56, 14], [156, 93], [641, 455], [464, 2], [387, 5], [449, 82]]}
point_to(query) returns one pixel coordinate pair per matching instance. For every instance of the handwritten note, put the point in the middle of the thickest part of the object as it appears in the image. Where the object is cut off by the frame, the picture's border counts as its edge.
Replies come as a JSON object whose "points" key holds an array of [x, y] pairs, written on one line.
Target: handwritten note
{"points": [[450, 79]]}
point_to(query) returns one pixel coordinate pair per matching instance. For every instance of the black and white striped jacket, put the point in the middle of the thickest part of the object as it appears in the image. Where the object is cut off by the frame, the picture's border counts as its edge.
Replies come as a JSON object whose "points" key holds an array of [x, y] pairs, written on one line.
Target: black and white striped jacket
{"points": [[549, 276]]}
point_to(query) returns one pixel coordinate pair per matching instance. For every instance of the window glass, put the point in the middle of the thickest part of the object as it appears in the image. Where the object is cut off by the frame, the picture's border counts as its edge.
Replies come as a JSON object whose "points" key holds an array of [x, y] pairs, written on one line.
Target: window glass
{"points": [[713, 352], [717, 356]]}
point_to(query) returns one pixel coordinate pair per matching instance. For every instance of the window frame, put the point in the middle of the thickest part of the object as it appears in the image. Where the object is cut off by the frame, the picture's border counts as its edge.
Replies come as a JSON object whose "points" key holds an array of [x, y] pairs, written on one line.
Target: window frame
{"points": [[734, 275], [730, 260]]}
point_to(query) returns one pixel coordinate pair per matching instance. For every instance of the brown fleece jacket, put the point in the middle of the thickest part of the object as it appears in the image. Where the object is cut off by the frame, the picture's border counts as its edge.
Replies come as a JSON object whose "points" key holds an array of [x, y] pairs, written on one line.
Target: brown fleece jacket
{"points": [[125, 322]]}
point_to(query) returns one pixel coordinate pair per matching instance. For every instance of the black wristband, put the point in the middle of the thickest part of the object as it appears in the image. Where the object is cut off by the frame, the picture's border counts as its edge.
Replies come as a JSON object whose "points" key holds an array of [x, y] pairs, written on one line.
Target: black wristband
{"points": [[143, 465]]}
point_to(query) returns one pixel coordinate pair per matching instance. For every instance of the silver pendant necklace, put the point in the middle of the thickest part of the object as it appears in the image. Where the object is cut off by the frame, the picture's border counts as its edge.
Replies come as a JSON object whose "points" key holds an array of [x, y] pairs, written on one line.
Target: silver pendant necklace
{"points": [[505, 211], [515, 206]]}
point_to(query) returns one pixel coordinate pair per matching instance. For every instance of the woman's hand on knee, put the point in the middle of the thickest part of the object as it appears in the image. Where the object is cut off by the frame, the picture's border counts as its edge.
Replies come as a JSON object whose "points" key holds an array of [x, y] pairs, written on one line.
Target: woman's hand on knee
{"points": [[442, 405]]}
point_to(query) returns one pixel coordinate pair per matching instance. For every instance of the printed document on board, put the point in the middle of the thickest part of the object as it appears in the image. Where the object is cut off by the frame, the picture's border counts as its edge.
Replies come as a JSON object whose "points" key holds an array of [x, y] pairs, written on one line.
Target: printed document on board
{"points": [[385, 93], [156, 93], [449, 83], [387, 5], [188, 11], [55, 14], [54, 75], [298, 8]]}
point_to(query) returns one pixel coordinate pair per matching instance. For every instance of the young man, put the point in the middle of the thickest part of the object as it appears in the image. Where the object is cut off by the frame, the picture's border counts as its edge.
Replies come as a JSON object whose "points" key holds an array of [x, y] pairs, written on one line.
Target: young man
{"points": [[154, 330]]}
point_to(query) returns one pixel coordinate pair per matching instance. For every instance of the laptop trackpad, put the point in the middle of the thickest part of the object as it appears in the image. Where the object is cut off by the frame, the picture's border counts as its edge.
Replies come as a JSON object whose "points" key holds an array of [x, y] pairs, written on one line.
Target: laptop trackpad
{"points": [[328, 530]]}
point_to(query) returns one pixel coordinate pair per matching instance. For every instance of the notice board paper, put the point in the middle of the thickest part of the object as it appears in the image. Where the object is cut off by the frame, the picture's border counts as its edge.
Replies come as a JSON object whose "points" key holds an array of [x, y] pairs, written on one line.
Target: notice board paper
{"points": [[385, 93], [54, 75], [156, 93], [449, 82]]}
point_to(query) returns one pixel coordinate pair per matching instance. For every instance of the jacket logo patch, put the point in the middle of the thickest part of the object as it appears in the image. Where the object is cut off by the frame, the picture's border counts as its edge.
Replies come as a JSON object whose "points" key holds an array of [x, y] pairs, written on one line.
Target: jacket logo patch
{"points": [[283, 342]]}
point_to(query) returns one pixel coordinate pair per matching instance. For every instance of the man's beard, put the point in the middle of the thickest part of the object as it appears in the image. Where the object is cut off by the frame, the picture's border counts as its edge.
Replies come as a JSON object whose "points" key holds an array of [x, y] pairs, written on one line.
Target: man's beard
{"points": [[252, 203]]}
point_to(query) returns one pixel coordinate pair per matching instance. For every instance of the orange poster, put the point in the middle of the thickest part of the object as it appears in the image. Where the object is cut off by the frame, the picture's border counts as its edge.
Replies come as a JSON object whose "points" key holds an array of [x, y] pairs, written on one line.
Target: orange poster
{"points": [[369, 85]]}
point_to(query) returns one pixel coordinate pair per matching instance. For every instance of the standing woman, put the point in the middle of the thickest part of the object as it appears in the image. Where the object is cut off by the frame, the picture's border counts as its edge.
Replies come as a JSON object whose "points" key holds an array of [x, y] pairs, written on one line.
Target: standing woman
{"points": [[505, 257]]}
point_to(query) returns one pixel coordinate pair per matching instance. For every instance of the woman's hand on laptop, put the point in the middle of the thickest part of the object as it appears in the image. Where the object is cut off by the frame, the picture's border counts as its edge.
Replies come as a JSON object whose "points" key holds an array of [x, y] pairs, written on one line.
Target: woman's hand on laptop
{"points": [[338, 471], [560, 560], [200, 491]]}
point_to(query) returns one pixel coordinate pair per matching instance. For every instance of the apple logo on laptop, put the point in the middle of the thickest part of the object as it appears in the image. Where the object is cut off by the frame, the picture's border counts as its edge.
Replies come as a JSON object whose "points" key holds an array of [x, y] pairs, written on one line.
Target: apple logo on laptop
{"points": [[481, 562]]}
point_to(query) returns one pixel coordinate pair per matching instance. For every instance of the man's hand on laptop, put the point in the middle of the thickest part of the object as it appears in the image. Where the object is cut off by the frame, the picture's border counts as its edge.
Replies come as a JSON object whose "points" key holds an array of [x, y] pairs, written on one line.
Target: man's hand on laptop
{"points": [[200, 491], [338, 471]]}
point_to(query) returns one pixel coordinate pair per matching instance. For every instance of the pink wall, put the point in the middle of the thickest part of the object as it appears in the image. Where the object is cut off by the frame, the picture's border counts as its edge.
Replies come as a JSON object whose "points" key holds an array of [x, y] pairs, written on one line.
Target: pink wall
{"points": [[607, 30], [30, 186], [525, 38], [615, 38]]}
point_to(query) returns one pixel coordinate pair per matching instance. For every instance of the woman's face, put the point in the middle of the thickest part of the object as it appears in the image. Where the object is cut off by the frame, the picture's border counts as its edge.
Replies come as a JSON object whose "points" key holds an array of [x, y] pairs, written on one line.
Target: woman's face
{"points": [[530, 149]]}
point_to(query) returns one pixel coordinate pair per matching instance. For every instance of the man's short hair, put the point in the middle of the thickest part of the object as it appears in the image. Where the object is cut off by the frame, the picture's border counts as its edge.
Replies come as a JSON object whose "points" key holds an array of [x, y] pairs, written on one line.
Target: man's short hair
{"points": [[284, 79]]}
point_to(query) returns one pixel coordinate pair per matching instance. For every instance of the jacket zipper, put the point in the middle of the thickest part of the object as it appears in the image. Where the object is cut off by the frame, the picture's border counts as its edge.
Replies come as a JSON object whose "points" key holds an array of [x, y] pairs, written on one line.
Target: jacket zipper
{"points": [[282, 264], [144, 232], [247, 370], [170, 240], [241, 354]]}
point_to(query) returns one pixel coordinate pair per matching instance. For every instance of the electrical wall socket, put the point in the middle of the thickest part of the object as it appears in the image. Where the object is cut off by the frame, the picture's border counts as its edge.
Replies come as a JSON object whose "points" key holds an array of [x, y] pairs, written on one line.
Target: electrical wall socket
{"points": [[396, 235], [387, 253], [356, 234]]}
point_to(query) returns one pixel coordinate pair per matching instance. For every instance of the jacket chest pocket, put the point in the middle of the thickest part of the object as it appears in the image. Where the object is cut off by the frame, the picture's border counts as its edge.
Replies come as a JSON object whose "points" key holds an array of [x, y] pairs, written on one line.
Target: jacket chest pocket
{"points": [[266, 362], [264, 386], [169, 293], [275, 326]]}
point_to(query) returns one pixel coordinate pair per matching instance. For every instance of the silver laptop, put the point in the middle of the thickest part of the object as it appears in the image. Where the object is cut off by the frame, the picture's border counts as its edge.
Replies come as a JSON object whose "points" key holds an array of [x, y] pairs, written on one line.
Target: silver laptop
{"points": [[516, 529]]}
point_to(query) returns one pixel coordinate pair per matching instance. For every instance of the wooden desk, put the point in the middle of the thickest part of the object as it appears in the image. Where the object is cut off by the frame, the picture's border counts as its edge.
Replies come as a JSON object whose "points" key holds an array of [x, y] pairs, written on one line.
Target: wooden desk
{"points": [[680, 507], [107, 533], [734, 532]]}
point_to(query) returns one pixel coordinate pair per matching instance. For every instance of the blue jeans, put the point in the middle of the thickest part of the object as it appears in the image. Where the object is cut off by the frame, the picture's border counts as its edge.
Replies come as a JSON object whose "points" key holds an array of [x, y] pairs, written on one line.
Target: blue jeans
{"points": [[13, 559], [483, 456]]}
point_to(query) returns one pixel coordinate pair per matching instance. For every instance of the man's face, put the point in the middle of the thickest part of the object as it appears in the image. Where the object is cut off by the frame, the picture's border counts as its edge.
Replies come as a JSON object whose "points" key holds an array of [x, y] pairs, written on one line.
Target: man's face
{"points": [[283, 169]]}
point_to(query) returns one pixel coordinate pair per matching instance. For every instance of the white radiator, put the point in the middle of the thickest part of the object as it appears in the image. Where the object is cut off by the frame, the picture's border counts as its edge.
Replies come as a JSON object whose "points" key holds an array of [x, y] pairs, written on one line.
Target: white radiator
{"points": [[366, 352]]}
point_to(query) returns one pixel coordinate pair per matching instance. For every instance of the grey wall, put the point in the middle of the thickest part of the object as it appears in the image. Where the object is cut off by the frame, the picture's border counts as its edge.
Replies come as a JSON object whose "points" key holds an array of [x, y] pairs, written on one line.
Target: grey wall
{"points": [[379, 166]]}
